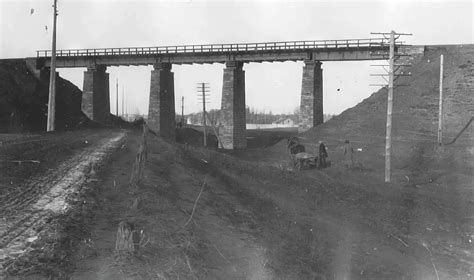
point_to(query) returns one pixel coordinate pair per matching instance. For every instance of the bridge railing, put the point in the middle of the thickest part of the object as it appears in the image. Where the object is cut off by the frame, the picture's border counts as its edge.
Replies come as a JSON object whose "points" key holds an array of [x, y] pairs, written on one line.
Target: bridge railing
{"points": [[222, 48]]}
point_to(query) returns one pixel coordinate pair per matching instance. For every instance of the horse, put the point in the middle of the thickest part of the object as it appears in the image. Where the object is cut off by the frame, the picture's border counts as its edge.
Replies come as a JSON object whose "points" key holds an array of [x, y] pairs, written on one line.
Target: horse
{"points": [[294, 146]]}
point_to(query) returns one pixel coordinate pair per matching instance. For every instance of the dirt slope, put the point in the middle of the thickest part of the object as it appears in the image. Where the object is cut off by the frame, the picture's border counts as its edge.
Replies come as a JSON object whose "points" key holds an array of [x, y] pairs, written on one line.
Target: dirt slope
{"points": [[24, 99], [415, 107]]}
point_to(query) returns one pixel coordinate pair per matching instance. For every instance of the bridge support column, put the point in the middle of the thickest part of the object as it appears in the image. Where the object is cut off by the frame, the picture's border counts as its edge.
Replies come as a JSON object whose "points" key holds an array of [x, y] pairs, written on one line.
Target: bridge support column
{"points": [[311, 106], [161, 111], [232, 133], [95, 94]]}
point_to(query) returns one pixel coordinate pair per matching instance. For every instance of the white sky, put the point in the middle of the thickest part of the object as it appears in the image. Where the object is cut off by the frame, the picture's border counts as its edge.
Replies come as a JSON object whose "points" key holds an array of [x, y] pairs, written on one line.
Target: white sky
{"points": [[269, 86]]}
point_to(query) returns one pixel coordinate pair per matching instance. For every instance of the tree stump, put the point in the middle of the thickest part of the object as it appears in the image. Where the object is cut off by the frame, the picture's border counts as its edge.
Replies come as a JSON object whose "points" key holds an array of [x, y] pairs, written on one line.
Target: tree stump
{"points": [[127, 240]]}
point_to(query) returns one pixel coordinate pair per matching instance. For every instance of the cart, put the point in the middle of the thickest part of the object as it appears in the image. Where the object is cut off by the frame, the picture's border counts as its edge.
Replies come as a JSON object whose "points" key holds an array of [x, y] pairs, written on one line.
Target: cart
{"points": [[304, 161]]}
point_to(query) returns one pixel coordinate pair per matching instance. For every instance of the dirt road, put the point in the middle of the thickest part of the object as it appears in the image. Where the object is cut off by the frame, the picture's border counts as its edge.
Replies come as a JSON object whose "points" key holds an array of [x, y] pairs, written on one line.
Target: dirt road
{"points": [[31, 205], [255, 220]]}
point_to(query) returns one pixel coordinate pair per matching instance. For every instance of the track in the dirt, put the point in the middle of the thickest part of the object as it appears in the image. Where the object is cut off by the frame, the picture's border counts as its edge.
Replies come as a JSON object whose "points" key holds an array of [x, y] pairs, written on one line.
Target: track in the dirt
{"points": [[29, 206], [48, 150]]}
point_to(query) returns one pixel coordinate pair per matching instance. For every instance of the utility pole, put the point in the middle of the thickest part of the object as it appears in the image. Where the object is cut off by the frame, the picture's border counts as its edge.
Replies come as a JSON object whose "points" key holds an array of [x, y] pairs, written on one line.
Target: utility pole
{"points": [[123, 96], [204, 91], [50, 126], [126, 107], [440, 117], [392, 36], [388, 136], [116, 98], [182, 110]]}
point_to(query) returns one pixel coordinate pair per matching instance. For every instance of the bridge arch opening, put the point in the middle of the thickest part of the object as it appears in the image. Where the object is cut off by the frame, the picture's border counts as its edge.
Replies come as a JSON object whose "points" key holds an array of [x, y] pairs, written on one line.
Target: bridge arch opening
{"points": [[276, 87], [346, 83], [187, 78], [273, 87], [133, 88]]}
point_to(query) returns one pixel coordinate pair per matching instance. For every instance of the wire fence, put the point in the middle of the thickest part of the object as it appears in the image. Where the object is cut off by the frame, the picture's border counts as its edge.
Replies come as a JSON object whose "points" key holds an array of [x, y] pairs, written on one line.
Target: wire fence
{"points": [[140, 159]]}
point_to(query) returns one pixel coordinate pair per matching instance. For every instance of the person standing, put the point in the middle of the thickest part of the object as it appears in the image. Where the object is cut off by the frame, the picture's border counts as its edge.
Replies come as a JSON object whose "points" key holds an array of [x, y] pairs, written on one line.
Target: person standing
{"points": [[323, 154], [348, 154]]}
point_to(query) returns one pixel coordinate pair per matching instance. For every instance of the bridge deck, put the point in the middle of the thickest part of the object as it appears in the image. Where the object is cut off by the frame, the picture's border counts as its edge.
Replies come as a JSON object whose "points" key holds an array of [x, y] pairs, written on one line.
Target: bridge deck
{"points": [[348, 49]]}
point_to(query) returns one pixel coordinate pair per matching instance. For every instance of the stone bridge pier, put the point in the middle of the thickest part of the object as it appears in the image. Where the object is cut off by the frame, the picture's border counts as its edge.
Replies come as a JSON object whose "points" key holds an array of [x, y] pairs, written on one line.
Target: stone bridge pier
{"points": [[232, 130], [311, 106], [161, 111], [95, 93]]}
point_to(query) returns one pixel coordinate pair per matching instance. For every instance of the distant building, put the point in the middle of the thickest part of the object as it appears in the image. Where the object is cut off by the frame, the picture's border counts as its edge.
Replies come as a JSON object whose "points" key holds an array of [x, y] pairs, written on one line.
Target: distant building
{"points": [[133, 117], [284, 122]]}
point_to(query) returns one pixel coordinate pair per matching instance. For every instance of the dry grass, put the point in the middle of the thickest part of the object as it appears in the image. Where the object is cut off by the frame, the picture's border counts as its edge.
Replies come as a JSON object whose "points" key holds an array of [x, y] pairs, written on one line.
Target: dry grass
{"points": [[167, 250]]}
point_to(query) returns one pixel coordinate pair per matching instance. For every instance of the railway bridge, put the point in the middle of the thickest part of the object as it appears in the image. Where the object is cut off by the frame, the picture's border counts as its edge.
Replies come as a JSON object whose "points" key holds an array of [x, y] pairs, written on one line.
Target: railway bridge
{"points": [[161, 116]]}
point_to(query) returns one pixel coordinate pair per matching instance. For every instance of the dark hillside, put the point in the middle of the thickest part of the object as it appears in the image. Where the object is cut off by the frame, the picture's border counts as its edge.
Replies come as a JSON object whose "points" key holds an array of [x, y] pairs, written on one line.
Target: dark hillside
{"points": [[415, 107], [24, 100]]}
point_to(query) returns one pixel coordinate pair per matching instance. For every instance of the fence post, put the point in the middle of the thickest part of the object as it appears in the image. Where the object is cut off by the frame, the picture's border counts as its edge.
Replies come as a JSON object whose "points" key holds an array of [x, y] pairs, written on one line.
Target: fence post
{"points": [[440, 116]]}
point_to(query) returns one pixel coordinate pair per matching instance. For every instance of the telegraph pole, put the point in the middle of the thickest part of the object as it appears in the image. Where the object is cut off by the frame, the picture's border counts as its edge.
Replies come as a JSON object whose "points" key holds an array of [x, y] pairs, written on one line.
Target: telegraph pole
{"points": [[440, 117], [116, 98], [50, 126], [123, 96], [126, 107], [392, 36], [388, 136], [204, 91], [182, 110]]}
